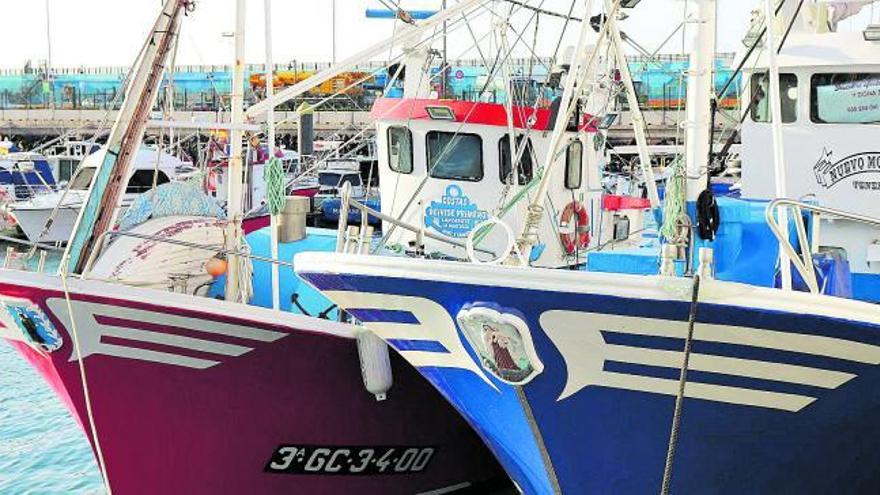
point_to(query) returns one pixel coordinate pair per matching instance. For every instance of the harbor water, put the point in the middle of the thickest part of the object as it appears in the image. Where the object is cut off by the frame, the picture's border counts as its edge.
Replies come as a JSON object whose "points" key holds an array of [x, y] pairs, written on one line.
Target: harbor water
{"points": [[43, 449]]}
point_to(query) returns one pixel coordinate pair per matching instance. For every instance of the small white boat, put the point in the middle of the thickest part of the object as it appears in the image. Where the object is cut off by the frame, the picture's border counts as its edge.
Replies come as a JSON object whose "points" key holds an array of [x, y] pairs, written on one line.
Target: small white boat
{"points": [[63, 206]]}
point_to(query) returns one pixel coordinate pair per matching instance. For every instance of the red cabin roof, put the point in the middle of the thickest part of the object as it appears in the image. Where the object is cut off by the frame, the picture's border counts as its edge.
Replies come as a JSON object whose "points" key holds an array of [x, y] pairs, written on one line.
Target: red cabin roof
{"points": [[464, 111]]}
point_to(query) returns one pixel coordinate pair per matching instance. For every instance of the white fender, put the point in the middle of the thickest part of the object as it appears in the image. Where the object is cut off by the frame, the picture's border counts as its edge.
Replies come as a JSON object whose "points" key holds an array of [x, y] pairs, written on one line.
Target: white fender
{"points": [[375, 364]]}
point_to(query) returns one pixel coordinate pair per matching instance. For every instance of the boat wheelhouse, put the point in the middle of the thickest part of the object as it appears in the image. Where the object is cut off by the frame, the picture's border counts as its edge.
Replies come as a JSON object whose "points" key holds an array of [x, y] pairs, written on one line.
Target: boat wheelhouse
{"points": [[23, 175], [830, 102], [446, 165]]}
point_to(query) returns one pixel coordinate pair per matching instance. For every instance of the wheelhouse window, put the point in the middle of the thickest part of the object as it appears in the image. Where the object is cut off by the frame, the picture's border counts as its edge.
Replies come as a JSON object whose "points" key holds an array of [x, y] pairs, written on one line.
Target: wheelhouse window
{"points": [[852, 98], [335, 180], [788, 92], [524, 164], [142, 181], [400, 150], [574, 157], [455, 156], [66, 169], [353, 179]]}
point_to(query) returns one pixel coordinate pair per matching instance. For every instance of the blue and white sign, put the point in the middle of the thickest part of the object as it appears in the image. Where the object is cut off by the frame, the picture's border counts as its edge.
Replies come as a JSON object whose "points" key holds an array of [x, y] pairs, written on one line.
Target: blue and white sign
{"points": [[454, 215], [35, 326]]}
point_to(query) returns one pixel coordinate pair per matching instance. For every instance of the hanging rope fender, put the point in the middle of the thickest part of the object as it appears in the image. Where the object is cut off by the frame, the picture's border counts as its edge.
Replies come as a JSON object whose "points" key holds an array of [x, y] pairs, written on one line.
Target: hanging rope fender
{"points": [[682, 382], [274, 175], [708, 216], [578, 235]]}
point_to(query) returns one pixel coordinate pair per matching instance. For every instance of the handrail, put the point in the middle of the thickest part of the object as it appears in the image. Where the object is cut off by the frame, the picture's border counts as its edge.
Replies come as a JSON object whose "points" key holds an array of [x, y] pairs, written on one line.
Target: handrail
{"points": [[216, 248], [803, 262], [31, 244]]}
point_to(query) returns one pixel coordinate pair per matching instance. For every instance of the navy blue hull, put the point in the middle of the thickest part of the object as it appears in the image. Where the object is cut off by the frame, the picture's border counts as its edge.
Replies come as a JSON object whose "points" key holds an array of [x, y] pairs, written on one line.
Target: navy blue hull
{"points": [[808, 437]]}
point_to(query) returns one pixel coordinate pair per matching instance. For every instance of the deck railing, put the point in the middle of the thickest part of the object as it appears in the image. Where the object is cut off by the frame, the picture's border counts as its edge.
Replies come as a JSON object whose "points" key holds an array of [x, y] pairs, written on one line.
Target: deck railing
{"points": [[803, 260]]}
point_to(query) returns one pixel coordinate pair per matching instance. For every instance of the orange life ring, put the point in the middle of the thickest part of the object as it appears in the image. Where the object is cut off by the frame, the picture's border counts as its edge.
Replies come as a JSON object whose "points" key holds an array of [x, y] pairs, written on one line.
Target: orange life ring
{"points": [[579, 237]]}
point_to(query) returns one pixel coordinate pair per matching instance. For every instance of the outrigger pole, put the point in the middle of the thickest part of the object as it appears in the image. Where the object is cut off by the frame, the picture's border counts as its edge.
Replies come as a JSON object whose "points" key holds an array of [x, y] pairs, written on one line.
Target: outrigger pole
{"points": [[99, 211], [638, 120], [270, 142]]}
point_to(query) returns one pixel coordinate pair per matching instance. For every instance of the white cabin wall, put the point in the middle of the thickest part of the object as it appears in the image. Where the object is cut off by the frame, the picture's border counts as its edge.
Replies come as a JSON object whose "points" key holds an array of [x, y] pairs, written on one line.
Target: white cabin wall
{"points": [[806, 143], [396, 189]]}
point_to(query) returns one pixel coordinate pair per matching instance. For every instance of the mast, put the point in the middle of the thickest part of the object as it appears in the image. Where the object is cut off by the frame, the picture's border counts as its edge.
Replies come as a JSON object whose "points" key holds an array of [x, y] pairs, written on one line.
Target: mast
{"points": [[270, 138], [700, 91], [333, 29], [776, 128], [236, 169], [49, 55], [99, 210]]}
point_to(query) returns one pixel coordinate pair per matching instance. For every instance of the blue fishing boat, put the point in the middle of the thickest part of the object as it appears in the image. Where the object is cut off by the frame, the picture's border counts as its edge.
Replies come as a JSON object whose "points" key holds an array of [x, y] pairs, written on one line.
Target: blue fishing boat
{"points": [[736, 351]]}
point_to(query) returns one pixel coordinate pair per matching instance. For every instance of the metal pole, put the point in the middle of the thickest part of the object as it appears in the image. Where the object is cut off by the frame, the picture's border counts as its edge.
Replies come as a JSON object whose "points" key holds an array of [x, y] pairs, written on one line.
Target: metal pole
{"points": [[776, 127], [270, 138], [699, 94], [333, 29], [444, 66], [638, 121], [235, 168], [49, 55], [407, 33]]}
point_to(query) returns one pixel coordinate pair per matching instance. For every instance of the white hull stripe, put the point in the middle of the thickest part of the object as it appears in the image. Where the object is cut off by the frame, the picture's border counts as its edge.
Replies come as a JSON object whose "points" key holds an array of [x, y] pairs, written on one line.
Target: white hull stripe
{"points": [[93, 323], [578, 337]]}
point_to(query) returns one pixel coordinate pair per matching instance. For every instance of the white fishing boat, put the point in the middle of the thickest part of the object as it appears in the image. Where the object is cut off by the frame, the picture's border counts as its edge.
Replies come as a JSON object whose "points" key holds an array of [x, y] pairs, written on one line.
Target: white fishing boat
{"points": [[50, 217]]}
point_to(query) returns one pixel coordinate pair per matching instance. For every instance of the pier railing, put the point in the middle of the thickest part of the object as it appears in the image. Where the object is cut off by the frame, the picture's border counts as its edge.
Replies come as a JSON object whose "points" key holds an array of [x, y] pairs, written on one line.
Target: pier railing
{"points": [[205, 87]]}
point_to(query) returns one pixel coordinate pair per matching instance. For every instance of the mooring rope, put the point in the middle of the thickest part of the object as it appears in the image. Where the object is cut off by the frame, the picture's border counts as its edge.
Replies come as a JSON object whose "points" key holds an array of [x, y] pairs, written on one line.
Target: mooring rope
{"points": [[63, 272], [682, 381]]}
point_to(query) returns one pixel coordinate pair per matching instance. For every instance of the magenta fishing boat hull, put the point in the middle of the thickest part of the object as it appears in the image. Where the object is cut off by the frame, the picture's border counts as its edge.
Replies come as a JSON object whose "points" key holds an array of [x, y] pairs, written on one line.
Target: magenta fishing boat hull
{"points": [[306, 192], [193, 395], [253, 224]]}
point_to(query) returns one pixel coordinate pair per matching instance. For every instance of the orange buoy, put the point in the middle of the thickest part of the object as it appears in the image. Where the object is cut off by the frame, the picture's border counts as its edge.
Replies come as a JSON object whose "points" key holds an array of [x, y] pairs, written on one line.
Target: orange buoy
{"points": [[211, 181], [579, 237], [216, 266]]}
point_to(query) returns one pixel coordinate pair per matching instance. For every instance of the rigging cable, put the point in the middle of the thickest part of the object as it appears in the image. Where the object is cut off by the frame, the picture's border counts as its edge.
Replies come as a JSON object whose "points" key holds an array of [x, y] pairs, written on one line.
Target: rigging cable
{"points": [[682, 382]]}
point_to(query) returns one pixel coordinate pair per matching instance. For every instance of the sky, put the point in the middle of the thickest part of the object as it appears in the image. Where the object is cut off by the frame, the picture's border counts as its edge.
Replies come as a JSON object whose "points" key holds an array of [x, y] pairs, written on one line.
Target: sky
{"points": [[110, 32]]}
